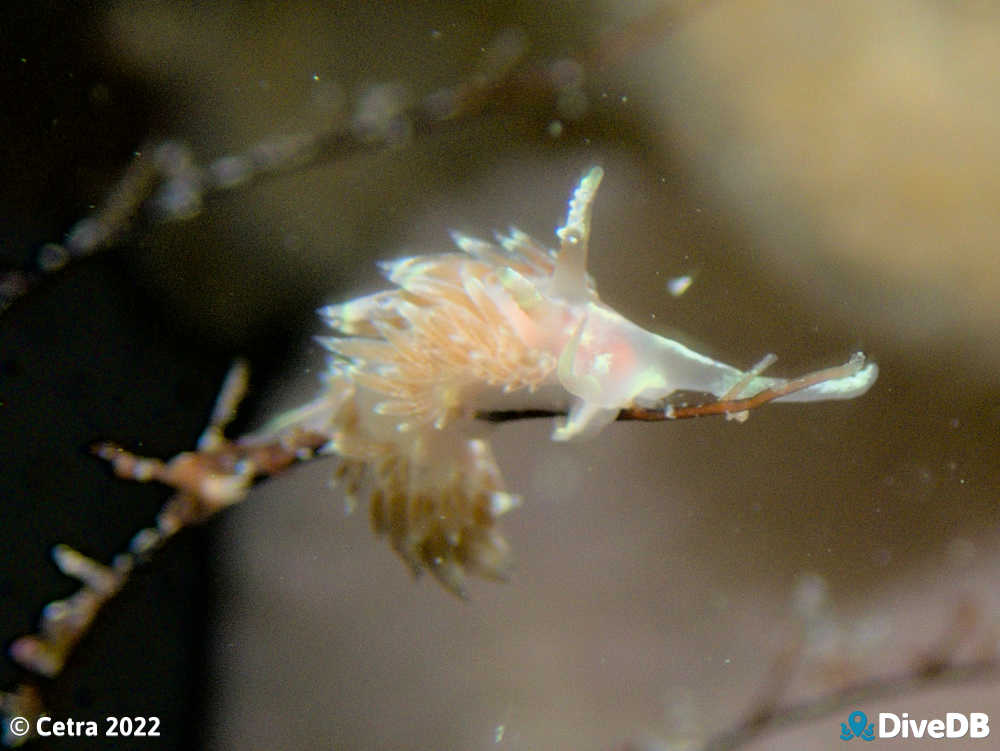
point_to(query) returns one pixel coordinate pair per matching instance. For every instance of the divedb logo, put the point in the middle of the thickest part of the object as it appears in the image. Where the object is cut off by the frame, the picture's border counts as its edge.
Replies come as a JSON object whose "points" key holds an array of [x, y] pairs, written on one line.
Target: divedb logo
{"points": [[953, 725]]}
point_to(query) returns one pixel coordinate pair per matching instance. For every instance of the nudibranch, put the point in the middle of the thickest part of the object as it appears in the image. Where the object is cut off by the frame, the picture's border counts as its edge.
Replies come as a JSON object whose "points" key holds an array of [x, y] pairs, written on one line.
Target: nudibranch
{"points": [[499, 326]]}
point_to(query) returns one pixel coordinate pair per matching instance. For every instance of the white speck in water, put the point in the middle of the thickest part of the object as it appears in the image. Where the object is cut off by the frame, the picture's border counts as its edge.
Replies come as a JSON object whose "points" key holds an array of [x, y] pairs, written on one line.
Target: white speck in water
{"points": [[555, 129], [678, 285], [498, 733]]}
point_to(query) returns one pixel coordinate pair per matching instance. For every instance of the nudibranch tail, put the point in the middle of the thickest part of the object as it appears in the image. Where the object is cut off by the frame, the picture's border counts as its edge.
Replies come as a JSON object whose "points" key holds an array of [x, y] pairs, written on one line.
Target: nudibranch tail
{"points": [[851, 381]]}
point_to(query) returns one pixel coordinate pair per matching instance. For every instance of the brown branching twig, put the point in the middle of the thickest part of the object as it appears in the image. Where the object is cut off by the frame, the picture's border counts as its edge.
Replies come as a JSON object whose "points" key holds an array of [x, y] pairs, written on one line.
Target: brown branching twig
{"points": [[163, 182], [905, 683], [734, 408], [939, 666], [221, 471], [218, 475]]}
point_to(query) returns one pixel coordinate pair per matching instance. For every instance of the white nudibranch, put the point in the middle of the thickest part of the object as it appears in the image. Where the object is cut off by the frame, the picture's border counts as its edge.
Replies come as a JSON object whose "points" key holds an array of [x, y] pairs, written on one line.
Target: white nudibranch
{"points": [[498, 327]]}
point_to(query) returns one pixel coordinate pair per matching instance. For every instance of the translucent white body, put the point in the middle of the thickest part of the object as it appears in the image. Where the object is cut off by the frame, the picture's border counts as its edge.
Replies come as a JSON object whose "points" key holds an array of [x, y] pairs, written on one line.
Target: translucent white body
{"points": [[499, 326]]}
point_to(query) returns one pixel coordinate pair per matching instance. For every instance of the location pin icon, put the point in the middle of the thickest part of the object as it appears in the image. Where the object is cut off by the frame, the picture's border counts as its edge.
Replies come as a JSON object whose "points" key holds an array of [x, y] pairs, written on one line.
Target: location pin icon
{"points": [[858, 723]]}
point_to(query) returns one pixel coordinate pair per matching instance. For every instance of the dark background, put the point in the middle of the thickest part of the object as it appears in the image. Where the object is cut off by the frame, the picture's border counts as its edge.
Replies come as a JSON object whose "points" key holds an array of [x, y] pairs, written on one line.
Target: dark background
{"points": [[85, 357]]}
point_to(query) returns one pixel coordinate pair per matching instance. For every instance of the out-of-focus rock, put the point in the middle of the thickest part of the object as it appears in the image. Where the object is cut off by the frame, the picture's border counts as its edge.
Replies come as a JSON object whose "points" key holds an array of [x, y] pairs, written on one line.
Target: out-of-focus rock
{"points": [[858, 142]]}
